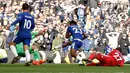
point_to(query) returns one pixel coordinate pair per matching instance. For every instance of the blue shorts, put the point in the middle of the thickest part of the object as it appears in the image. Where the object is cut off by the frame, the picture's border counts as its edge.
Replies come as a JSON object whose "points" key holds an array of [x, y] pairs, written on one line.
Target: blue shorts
{"points": [[76, 44], [18, 39]]}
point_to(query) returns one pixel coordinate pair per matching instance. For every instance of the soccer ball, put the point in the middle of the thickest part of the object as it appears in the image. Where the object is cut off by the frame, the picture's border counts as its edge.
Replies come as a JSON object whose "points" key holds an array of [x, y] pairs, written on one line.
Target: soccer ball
{"points": [[80, 56]]}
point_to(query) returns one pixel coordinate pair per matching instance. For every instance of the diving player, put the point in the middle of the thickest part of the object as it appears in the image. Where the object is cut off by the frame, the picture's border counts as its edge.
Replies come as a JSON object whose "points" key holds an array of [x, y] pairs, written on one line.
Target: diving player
{"points": [[114, 58]]}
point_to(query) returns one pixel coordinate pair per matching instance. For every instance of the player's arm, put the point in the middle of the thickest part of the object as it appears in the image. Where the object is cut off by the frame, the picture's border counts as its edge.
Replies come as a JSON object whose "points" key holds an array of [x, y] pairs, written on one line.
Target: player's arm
{"points": [[117, 34], [108, 35], [17, 20], [66, 43], [41, 32], [36, 33], [68, 33], [84, 35]]}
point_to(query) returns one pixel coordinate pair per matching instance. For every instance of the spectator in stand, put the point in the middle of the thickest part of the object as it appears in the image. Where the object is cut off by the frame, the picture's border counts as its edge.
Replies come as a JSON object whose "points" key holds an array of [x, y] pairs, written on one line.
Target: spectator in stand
{"points": [[124, 44], [113, 39], [81, 14]]}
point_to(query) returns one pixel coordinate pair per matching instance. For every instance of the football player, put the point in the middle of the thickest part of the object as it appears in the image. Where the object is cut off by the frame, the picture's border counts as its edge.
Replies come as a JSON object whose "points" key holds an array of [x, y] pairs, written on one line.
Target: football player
{"points": [[114, 58]]}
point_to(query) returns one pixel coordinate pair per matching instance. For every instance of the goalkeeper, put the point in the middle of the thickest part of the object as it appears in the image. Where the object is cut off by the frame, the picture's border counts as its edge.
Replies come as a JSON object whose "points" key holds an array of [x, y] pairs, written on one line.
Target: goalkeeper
{"points": [[32, 49]]}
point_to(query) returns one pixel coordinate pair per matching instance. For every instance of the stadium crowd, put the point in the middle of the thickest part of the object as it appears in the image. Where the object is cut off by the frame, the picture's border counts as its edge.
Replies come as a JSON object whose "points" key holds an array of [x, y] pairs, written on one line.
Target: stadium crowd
{"points": [[106, 23]]}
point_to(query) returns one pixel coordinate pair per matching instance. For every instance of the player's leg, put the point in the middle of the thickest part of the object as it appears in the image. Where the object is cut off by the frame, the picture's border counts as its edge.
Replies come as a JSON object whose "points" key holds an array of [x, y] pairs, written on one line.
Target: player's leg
{"points": [[91, 64], [76, 45], [93, 60], [92, 56], [99, 56], [73, 53], [42, 54], [37, 58], [88, 61], [13, 49], [20, 50], [26, 43], [27, 55], [73, 50], [36, 55]]}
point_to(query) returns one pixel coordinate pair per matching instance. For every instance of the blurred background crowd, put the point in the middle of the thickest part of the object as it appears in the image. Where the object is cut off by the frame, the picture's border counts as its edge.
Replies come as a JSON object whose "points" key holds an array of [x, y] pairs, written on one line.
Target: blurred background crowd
{"points": [[106, 22]]}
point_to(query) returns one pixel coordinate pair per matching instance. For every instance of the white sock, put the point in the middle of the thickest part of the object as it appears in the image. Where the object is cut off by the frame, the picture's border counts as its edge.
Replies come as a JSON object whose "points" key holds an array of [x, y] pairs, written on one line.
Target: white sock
{"points": [[13, 49], [27, 54]]}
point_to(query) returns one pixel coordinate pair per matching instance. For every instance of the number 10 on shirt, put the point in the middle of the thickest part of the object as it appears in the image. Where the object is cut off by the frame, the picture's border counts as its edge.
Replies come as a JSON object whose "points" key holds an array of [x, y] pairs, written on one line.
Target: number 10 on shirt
{"points": [[27, 24]]}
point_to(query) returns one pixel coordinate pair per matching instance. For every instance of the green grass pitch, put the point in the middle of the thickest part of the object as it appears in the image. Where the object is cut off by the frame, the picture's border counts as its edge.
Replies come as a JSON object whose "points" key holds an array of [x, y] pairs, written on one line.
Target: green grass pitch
{"points": [[61, 68]]}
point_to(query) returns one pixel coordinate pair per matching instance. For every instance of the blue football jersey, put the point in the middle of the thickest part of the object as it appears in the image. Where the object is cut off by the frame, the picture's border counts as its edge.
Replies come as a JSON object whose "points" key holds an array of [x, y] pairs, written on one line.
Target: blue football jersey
{"points": [[76, 32], [107, 50], [26, 24]]}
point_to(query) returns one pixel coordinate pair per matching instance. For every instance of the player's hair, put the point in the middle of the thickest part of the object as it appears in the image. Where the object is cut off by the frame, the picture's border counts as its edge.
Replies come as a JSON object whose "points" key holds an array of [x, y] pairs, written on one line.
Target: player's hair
{"points": [[119, 49], [25, 6], [72, 22]]}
